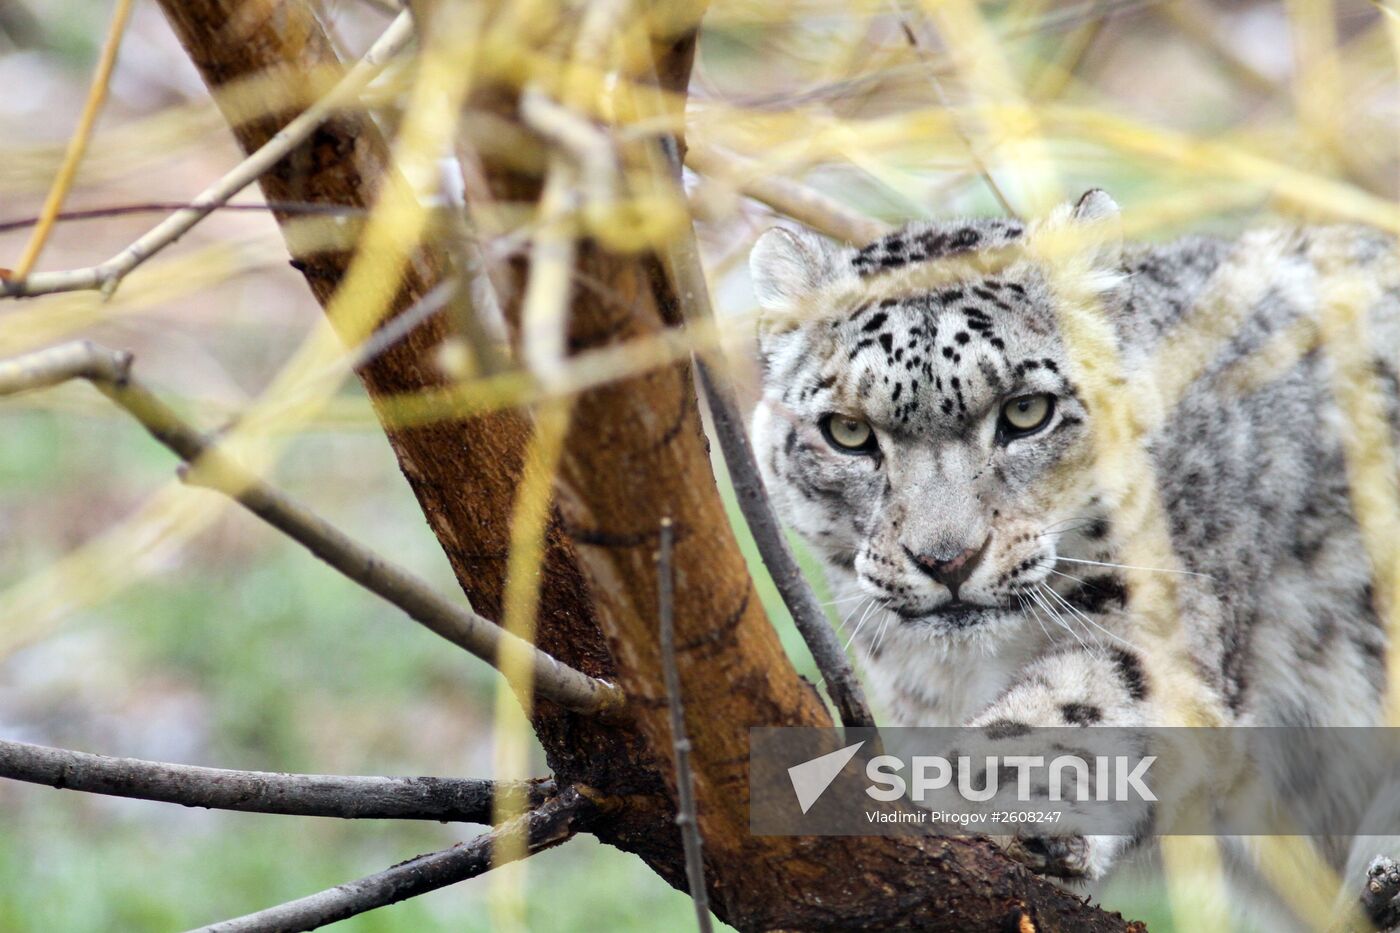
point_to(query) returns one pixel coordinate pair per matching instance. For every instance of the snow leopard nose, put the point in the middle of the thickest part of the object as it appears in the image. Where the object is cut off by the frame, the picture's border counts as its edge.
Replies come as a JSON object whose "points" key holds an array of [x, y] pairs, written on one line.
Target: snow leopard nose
{"points": [[953, 572]]}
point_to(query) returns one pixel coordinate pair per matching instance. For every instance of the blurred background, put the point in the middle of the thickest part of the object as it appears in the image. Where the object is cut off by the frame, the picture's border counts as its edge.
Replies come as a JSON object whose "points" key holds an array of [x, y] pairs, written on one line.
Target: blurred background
{"points": [[142, 619]]}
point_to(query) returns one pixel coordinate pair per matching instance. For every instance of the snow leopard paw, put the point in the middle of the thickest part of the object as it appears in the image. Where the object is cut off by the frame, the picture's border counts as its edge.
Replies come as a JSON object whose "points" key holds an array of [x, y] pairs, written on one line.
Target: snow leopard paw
{"points": [[1381, 896], [1067, 857]]}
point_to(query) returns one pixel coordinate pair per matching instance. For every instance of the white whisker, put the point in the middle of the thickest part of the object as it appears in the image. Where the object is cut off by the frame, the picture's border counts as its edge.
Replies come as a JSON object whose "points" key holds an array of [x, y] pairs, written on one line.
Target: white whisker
{"points": [[1099, 563], [854, 610], [861, 624], [1059, 620], [844, 599], [881, 633], [1069, 576], [1061, 532], [1045, 631], [1066, 521], [1077, 611], [1068, 619]]}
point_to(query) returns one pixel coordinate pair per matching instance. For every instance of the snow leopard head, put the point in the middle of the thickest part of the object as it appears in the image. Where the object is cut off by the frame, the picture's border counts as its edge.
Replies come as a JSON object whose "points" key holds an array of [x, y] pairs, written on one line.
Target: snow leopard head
{"points": [[921, 424]]}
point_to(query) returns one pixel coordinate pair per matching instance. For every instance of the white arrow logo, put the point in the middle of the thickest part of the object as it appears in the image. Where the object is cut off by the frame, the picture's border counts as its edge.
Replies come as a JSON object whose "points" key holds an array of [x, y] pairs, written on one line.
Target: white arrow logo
{"points": [[811, 778]]}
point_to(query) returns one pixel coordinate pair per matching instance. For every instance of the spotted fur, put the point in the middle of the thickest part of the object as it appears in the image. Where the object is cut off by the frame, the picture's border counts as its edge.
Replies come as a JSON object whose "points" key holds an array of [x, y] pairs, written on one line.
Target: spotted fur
{"points": [[925, 334]]}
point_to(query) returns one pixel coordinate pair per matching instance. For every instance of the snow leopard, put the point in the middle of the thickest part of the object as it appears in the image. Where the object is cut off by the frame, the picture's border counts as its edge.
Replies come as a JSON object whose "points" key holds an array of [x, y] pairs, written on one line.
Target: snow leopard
{"points": [[927, 425]]}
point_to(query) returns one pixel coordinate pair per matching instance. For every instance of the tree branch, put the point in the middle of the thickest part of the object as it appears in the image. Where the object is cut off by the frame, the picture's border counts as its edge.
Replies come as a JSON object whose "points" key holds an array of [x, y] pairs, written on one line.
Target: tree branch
{"points": [[109, 372], [346, 797], [789, 198], [555, 822], [685, 779], [165, 207], [108, 275]]}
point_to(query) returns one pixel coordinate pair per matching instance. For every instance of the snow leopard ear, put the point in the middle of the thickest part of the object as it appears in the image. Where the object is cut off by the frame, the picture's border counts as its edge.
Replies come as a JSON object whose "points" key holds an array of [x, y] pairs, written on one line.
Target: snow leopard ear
{"points": [[789, 265], [1095, 207], [1083, 243]]}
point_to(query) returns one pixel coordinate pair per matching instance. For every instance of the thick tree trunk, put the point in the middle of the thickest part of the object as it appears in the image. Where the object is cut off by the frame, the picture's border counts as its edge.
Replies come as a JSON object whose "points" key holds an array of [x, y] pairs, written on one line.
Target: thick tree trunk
{"points": [[635, 455]]}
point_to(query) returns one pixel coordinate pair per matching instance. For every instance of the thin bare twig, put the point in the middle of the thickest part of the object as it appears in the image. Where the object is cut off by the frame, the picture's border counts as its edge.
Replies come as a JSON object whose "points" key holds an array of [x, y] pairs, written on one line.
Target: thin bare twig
{"points": [[165, 207], [802, 603], [580, 158], [109, 372], [474, 307], [78, 142], [108, 275], [907, 25], [790, 198], [1079, 14], [680, 744], [577, 139], [342, 796], [1058, 19], [400, 325], [554, 822], [682, 257]]}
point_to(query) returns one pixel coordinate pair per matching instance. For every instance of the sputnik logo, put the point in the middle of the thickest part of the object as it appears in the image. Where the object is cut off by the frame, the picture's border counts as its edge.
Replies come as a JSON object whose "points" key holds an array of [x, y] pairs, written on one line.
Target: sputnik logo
{"points": [[811, 778]]}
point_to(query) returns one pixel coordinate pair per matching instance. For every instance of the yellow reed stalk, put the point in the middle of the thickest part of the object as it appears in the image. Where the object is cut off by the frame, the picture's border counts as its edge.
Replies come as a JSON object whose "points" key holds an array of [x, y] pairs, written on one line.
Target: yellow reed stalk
{"points": [[1305, 882], [1022, 157], [529, 520], [1195, 883], [581, 372], [1390, 14], [580, 156], [77, 143], [1317, 77]]}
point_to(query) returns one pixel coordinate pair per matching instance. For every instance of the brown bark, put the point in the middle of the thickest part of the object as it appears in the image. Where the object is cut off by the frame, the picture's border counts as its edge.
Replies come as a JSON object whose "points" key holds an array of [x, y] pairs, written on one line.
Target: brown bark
{"points": [[635, 454]]}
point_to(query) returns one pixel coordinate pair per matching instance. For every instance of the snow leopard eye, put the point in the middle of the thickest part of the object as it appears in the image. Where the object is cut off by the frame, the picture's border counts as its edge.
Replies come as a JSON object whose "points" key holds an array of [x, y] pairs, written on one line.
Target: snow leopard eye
{"points": [[1025, 414], [848, 435]]}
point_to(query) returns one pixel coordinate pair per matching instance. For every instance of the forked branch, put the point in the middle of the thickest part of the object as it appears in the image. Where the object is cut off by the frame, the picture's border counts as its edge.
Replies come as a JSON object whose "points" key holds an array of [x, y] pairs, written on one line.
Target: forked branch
{"points": [[109, 372], [554, 822], [108, 275], [343, 796]]}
